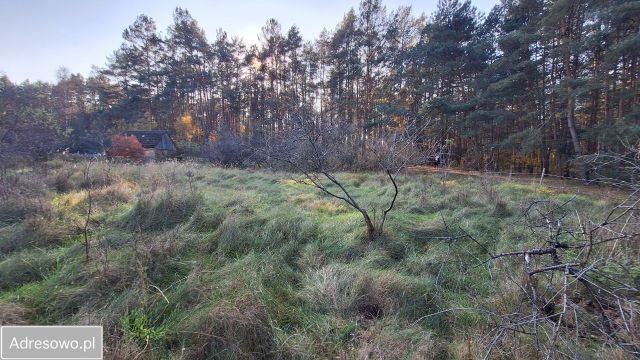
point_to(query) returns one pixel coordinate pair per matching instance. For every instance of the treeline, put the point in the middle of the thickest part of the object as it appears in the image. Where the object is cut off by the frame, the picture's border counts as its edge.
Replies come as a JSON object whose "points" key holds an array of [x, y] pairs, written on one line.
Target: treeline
{"points": [[532, 84]]}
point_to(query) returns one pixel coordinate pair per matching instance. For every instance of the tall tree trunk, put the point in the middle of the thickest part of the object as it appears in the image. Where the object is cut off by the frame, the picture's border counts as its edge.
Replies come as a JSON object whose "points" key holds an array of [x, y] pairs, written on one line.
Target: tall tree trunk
{"points": [[571, 62]]}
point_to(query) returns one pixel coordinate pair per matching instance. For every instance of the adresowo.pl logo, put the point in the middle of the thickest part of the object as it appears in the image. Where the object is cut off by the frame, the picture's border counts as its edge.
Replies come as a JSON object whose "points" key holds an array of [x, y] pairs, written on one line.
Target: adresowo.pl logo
{"points": [[51, 342]]}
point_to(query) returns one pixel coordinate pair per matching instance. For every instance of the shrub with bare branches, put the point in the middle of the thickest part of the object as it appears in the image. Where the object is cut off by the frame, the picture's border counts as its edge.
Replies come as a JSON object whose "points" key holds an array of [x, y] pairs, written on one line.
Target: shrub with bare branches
{"points": [[320, 150], [576, 280]]}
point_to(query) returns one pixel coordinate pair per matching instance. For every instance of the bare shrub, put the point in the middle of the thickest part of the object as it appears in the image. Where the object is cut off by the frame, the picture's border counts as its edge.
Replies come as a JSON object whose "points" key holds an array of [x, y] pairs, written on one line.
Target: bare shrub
{"points": [[61, 181], [228, 150], [574, 281]]}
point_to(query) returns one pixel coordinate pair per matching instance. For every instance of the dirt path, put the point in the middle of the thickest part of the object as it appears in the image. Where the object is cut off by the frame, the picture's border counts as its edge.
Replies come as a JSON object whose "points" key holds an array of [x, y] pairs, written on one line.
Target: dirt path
{"points": [[566, 186]]}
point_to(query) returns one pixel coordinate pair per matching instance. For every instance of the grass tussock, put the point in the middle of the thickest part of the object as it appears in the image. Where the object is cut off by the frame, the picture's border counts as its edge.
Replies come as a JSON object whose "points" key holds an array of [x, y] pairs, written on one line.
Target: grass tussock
{"points": [[238, 330], [36, 231], [154, 212], [241, 232], [351, 291], [13, 314], [121, 191], [387, 340], [26, 267]]}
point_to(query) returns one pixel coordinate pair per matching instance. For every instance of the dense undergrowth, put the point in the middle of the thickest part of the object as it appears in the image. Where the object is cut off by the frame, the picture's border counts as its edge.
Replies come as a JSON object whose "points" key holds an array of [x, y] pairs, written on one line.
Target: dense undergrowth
{"points": [[190, 261]]}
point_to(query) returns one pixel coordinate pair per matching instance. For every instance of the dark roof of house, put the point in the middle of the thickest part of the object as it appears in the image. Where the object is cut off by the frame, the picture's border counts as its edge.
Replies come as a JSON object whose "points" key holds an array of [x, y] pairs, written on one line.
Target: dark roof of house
{"points": [[153, 139]]}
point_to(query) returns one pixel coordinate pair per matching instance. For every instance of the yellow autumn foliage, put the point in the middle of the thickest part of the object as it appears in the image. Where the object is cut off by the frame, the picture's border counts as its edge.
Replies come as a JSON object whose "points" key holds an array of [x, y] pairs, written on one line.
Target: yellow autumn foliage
{"points": [[186, 130]]}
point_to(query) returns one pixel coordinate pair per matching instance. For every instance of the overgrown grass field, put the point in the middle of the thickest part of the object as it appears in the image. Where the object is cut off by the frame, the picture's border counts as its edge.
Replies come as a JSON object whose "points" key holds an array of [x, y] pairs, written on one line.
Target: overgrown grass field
{"points": [[190, 261]]}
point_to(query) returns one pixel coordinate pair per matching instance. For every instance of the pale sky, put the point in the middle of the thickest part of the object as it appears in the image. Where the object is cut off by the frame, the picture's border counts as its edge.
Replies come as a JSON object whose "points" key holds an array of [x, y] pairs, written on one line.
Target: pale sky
{"points": [[39, 36]]}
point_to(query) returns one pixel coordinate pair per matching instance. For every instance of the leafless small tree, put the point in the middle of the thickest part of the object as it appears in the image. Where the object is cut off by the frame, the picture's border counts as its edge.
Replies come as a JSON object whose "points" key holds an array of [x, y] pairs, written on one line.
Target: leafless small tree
{"points": [[86, 173], [190, 179], [320, 150]]}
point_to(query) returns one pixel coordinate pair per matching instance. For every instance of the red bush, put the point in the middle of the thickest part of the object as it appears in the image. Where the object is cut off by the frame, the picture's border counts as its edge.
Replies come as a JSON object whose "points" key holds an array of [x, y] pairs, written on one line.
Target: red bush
{"points": [[126, 146]]}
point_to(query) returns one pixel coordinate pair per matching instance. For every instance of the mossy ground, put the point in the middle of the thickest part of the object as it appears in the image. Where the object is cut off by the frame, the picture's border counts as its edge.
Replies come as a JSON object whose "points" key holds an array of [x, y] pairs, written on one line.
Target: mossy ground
{"points": [[228, 263]]}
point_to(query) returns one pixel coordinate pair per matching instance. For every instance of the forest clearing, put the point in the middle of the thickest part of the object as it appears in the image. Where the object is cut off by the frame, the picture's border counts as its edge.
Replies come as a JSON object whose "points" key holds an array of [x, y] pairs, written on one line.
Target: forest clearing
{"points": [[349, 179], [276, 269]]}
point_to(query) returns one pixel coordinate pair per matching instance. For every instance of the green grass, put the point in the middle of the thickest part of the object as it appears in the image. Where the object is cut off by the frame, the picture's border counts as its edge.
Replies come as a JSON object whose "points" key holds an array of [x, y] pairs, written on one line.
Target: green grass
{"points": [[247, 263]]}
